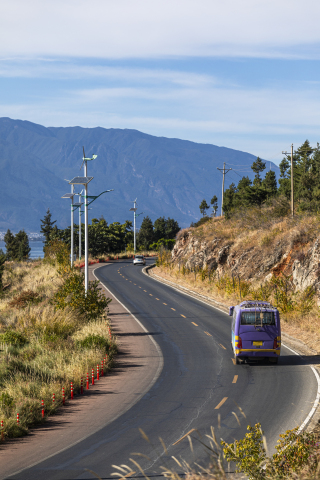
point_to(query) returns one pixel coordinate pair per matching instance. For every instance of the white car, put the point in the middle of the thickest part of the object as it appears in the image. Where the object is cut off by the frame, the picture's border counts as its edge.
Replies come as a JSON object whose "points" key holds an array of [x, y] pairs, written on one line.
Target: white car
{"points": [[139, 260]]}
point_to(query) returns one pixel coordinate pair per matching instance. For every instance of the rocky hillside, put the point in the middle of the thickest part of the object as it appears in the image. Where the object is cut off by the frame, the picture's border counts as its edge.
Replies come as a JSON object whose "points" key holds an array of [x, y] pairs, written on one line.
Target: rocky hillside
{"points": [[256, 248]]}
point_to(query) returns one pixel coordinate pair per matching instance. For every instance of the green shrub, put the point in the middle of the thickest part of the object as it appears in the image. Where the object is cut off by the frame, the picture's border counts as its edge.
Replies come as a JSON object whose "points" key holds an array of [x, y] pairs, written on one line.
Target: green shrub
{"points": [[94, 341], [13, 338], [294, 452], [72, 294]]}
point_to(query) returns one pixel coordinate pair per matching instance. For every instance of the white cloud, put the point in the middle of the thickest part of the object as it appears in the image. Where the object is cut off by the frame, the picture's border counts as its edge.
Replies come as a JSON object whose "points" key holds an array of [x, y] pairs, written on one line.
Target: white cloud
{"points": [[153, 28]]}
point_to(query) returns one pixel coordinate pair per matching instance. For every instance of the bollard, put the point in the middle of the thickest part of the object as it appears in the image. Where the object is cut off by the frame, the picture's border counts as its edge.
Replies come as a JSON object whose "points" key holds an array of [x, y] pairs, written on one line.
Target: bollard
{"points": [[42, 408], [102, 373], [18, 418], [81, 389], [2, 432], [63, 397], [71, 391], [92, 377], [98, 377], [109, 333], [87, 381], [53, 398]]}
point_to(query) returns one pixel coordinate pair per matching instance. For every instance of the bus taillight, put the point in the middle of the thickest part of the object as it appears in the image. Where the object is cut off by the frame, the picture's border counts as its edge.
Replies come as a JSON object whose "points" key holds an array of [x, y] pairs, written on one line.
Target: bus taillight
{"points": [[239, 343], [275, 343]]}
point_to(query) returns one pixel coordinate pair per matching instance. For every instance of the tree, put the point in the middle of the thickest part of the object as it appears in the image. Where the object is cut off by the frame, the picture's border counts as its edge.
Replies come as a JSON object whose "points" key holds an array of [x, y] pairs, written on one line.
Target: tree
{"points": [[22, 242], [159, 228], [172, 228], [203, 207], [11, 245], [258, 166], [47, 226], [2, 261], [145, 235], [269, 184], [214, 203]]}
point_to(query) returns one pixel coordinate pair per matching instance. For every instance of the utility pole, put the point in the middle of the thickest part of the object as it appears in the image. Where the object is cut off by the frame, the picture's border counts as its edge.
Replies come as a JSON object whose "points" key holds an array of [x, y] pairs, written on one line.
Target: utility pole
{"points": [[224, 172], [292, 196]]}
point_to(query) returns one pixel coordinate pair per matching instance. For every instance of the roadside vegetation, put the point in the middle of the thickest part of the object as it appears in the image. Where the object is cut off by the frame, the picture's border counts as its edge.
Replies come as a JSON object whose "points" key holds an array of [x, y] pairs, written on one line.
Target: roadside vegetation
{"points": [[51, 334], [296, 457]]}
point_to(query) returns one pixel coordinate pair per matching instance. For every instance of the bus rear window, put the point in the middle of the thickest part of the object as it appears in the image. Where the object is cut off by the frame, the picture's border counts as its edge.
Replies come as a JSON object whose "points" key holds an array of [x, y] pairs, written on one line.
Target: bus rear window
{"points": [[257, 318]]}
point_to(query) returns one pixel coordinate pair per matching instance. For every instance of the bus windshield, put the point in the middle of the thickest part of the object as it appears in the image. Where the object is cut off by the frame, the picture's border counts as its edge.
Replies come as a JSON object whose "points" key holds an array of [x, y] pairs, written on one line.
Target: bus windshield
{"points": [[257, 318]]}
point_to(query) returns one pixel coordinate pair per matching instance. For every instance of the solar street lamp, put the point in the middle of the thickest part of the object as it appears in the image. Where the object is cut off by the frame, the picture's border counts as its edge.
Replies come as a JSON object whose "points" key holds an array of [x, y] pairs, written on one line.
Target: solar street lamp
{"points": [[71, 195], [134, 209], [84, 181]]}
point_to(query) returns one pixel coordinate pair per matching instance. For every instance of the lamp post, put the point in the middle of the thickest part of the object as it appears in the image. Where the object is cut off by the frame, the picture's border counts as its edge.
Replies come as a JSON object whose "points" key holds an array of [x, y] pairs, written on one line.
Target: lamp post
{"points": [[71, 195], [134, 209], [84, 181]]}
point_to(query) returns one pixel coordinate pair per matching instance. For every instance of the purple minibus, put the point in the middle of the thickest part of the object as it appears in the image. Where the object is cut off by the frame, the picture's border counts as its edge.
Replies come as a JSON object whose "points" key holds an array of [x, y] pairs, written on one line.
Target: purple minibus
{"points": [[255, 331]]}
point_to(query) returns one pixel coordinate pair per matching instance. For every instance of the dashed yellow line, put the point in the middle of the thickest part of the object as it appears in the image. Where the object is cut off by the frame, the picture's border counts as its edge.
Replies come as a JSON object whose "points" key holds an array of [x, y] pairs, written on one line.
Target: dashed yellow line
{"points": [[182, 315], [221, 403], [150, 294], [235, 378], [233, 361], [164, 304], [207, 333], [173, 309], [222, 346], [134, 284], [195, 324], [145, 291], [157, 298]]}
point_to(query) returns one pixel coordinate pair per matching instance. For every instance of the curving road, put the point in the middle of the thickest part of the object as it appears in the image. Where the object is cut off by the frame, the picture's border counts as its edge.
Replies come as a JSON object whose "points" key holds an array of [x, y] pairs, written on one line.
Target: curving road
{"points": [[199, 386]]}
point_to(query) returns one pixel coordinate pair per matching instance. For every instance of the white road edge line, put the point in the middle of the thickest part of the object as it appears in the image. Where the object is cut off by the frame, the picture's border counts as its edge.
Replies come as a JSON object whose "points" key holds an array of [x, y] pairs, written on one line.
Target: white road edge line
{"points": [[155, 378], [317, 400]]}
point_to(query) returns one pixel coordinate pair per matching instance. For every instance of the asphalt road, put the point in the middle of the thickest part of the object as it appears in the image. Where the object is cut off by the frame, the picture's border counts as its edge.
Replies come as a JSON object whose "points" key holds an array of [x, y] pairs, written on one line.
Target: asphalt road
{"points": [[199, 387]]}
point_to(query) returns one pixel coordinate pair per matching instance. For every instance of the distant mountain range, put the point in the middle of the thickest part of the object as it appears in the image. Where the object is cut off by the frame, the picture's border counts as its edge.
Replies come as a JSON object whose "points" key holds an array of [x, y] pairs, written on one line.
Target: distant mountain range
{"points": [[170, 177]]}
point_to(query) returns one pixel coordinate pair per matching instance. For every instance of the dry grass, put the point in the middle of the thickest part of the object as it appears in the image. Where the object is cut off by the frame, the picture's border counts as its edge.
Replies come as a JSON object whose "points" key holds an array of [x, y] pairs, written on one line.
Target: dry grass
{"points": [[43, 349]]}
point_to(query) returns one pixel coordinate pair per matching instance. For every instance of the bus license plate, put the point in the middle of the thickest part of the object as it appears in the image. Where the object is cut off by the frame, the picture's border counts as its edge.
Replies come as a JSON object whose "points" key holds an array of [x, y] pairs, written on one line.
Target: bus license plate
{"points": [[257, 344]]}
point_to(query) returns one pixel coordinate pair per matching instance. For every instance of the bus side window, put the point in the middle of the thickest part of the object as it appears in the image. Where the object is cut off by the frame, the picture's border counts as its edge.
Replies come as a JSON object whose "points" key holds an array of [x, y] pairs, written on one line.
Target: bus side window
{"points": [[233, 320]]}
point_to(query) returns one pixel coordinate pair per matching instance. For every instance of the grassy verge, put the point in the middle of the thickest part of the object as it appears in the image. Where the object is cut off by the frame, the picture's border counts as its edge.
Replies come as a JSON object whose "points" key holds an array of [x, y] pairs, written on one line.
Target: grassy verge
{"points": [[49, 338]]}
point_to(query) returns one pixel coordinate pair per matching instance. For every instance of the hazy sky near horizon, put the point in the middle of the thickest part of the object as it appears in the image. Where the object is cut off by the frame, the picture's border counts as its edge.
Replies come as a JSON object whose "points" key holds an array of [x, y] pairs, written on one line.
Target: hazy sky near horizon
{"points": [[243, 75]]}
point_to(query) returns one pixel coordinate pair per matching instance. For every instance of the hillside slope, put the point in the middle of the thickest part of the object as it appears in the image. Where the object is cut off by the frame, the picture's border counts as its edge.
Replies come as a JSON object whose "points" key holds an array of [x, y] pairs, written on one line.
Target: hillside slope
{"points": [[170, 177]]}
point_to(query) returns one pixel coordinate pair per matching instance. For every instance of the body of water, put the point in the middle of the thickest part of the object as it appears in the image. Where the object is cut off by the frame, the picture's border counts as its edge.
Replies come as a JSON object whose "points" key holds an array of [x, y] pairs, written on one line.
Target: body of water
{"points": [[36, 249]]}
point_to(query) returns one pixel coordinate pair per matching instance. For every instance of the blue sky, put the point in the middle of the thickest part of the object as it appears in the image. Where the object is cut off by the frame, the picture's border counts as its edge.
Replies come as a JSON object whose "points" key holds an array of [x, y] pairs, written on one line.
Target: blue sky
{"points": [[243, 75]]}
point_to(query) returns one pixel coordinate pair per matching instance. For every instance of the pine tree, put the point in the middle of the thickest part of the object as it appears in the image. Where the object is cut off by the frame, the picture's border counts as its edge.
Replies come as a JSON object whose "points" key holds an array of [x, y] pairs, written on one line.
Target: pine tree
{"points": [[22, 242], [11, 246], [2, 261], [214, 203], [258, 166], [203, 207], [47, 226], [269, 183], [145, 235], [172, 228], [159, 228]]}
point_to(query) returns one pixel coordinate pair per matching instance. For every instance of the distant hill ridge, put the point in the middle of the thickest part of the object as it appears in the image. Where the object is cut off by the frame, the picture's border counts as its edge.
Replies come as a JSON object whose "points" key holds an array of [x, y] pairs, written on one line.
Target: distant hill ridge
{"points": [[170, 177]]}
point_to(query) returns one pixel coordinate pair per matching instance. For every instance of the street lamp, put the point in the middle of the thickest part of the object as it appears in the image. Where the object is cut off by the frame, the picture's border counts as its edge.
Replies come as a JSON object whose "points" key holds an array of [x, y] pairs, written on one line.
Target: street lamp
{"points": [[84, 181], [71, 195], [134, 209]]}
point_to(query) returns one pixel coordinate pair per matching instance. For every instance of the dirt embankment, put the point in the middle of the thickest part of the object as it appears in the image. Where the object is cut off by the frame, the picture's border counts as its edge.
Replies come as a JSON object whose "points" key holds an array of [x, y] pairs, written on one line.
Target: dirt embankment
{"points": [[262, 258]]}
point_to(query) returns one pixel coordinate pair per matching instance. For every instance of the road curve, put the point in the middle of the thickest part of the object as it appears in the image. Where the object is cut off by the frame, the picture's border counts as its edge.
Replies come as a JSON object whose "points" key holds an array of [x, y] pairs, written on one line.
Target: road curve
{"points": [[199, 386]]}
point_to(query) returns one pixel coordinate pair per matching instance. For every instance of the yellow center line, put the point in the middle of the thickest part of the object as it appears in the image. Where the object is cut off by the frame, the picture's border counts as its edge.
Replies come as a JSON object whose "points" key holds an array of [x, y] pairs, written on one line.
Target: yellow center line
{"points": [[221, 403], [145, 291], [139, 287], [134, 284], [150, 294], [233, 361], [222, 346], [235, 378], [195, 324], [157, 298], [182, 315], [164, 304], [207, 333], [173, 309]]}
